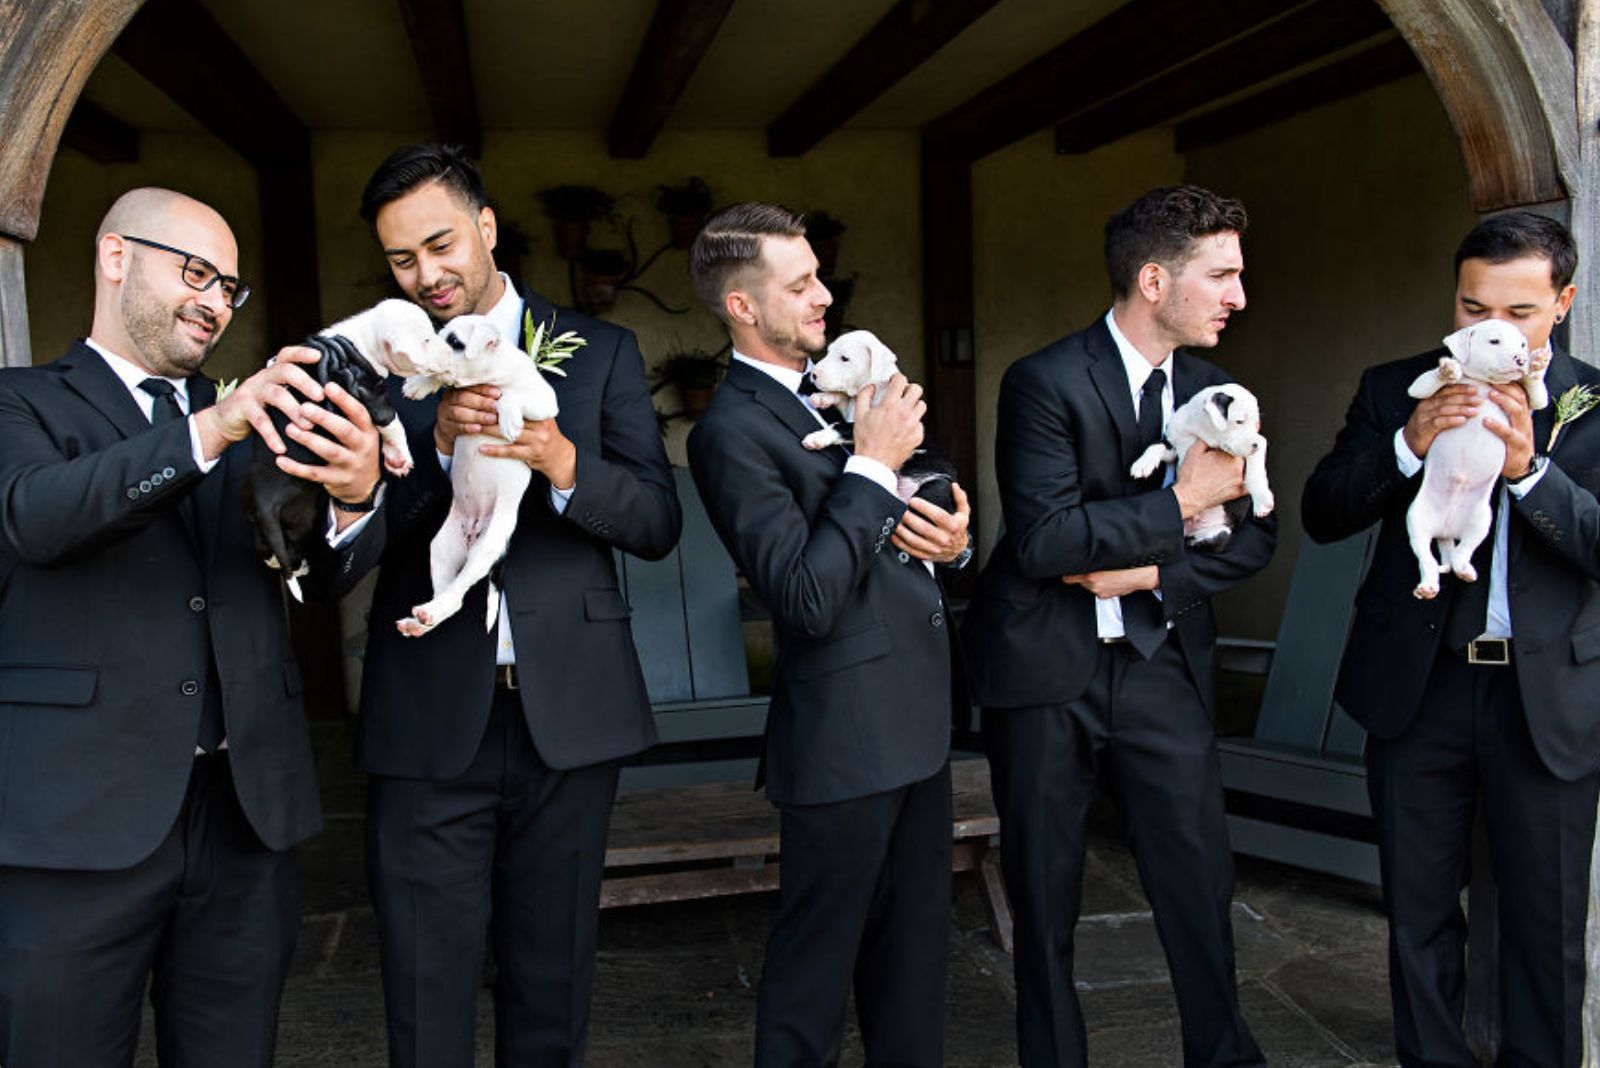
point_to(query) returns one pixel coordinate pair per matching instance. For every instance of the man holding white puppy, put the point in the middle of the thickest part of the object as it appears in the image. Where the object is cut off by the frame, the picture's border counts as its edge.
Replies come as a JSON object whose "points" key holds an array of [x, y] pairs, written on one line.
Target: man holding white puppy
{"points": [[1483, 695], [1091, 639], [858, 735]]}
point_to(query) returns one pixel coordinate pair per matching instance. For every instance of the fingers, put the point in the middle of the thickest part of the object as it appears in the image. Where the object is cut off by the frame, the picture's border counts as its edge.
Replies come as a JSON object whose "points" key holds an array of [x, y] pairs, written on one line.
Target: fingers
{"points": [[478, 398], [295, 354], [354, 411], [1501, 430], [963, 506]]}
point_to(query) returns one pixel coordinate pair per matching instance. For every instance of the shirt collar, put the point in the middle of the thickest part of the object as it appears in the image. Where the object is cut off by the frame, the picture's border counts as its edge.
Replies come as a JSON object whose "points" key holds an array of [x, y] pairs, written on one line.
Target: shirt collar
{"points": [[506, 315], [132, 374], [788, 378], [1133, 360]]}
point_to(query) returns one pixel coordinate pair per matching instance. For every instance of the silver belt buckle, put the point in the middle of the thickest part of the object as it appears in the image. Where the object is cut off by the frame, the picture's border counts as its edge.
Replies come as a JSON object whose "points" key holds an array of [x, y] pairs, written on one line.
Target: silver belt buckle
{"points": [[1491, 652], [506, 675]]}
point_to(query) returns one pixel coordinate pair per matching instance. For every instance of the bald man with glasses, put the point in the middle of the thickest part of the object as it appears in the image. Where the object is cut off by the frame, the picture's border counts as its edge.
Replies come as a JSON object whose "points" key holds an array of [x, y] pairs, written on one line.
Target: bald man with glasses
{"points": [[154, 763]]}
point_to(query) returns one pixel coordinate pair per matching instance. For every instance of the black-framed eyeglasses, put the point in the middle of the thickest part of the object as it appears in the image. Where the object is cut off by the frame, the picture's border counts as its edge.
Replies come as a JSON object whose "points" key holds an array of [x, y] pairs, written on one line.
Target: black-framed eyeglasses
{"points": [[199, 273]]}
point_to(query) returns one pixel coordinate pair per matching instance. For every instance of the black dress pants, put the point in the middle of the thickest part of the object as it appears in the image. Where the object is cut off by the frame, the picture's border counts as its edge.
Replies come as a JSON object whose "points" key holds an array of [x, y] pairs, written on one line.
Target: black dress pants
{"points": [[864, 895], [511, 841], [1470, 745], [209, 919], [1143, 727]]}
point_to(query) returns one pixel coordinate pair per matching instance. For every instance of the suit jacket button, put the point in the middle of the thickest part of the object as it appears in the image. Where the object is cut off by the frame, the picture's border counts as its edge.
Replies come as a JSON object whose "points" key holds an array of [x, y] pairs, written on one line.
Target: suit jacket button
{"points": [[189, 687], [937, 619], [167, 472], [197, 604], [905, 557], [133, 493], [144, 486]]}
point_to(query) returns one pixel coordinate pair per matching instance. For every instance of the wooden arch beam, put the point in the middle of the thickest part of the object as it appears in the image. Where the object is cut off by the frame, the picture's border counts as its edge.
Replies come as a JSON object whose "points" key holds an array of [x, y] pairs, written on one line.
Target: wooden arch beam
{"points": [[438, 32], [680, 33], [1506, 78]]}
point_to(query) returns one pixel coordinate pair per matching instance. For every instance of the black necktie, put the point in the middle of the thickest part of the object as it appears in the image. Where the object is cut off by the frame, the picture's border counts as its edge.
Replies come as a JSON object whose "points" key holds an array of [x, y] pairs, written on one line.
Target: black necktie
{"points": [[1469, 610], [831, 414], [166, 410], [1142, 620]]}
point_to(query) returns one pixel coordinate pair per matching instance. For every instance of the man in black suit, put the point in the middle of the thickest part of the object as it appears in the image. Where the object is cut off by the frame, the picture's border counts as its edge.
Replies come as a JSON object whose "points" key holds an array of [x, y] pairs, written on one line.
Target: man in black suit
{"points": [[1483, 695], [1091, 637], [154, 763], [858, 735], [494, 753]]}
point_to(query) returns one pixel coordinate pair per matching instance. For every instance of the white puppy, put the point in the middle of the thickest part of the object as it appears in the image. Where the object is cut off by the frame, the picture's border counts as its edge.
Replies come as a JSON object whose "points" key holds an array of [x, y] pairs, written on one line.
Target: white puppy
{"points": [[854, 361], [1451, 509], [1226, 417], [395, 337], [486, 491]]}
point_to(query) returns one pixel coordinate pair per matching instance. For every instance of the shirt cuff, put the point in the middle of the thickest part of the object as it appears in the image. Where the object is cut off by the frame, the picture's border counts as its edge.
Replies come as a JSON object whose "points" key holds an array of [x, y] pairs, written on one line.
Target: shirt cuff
{"points": [[1520, 490], [1408, 462], [873, 471], [560, 498], [336, 537], [444, 461], [200, 460]]}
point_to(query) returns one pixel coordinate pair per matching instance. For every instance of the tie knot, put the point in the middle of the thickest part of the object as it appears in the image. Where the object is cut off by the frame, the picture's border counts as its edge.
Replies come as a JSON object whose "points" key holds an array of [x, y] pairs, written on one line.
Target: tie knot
{"points": [[158, 388], [1156, 382]]}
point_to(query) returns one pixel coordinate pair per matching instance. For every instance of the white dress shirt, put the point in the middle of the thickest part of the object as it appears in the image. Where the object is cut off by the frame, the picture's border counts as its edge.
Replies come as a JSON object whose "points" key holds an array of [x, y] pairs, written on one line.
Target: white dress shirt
{"points": [[506, 317], [1108, 610], [1498, 623]]}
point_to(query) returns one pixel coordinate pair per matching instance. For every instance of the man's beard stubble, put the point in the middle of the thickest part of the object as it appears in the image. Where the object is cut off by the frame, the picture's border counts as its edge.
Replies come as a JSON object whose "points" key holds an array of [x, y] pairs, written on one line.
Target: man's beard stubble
{"points": [[153, 327]]}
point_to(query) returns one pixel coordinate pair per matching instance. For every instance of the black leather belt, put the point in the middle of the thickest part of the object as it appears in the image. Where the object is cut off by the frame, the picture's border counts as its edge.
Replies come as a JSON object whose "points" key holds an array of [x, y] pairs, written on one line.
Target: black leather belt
{"points": [[1488, 652], [505, 676]]}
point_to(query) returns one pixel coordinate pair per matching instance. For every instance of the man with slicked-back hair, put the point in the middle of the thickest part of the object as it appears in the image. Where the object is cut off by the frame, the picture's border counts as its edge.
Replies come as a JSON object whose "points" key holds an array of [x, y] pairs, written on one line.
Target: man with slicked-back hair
{"points": [[858, 736], [154, 763]]}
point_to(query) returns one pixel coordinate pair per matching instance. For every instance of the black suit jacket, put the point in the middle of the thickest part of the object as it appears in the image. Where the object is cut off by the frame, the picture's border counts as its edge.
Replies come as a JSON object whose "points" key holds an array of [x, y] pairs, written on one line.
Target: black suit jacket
{"points": [[1554, 562], [425, 701], [110, 603], [861, 688], [1067, 434]]}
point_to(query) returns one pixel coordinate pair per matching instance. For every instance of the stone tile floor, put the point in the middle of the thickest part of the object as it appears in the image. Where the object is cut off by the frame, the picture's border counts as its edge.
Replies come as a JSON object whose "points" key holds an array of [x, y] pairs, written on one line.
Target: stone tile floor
{"points": [[675, 984]]}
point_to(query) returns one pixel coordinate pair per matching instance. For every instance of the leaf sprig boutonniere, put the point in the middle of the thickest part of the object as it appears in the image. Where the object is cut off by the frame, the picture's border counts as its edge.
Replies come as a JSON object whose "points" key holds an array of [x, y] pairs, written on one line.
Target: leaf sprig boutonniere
{"points": [[549, 349], [225, 388], [1570, 406]]}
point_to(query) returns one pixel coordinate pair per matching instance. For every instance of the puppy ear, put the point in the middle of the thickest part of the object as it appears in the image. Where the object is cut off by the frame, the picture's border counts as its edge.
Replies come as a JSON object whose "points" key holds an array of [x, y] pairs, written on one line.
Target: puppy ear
{"points": [[1459, 342], [884, 364], [1217, 406]]}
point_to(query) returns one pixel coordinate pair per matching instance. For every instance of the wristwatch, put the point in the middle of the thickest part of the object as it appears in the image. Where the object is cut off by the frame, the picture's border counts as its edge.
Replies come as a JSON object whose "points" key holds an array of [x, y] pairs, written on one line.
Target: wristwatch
{"points": [[1535, 465], [358, 507]]}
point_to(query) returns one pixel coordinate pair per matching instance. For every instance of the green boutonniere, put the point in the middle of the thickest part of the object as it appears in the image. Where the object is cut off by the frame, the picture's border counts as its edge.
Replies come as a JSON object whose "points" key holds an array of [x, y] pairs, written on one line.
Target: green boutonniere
{"points": [[1570, 406], [225, 388], [549, 349]]}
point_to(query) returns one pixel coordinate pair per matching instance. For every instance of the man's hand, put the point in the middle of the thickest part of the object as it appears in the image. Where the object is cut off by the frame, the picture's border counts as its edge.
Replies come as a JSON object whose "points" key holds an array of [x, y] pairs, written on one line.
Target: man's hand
{"points": [[232, 418], [928, 532], [470, 410], [543, 447], [1108, 584], [1519, 435], [1207, 477], [349, 471], [1451, 407], [890, 432]]}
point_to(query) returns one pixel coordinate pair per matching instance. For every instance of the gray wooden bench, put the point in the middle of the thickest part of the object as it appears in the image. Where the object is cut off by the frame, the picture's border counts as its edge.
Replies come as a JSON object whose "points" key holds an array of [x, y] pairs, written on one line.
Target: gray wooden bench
{"points": [[1296, 789]]}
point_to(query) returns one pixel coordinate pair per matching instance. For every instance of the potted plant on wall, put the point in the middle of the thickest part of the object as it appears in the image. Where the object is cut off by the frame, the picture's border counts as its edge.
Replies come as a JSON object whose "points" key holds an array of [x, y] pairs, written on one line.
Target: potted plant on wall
{"points": [[823, 231], [571, 210], [695, 373], [685, 207], [603, 270]]}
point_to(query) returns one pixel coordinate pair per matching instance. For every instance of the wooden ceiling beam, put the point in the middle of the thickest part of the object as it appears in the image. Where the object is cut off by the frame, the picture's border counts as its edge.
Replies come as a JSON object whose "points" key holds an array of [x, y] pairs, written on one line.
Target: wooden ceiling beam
{"points": [[1135, 42], [1339, 80], [177, 46], [680, 33], [438, 32], [100, 135], [902, 41], [1305, 35]]}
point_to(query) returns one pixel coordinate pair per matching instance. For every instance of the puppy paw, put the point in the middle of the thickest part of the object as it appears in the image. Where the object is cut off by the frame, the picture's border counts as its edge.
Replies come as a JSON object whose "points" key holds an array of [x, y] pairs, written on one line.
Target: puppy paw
{"points": [[821, 439], [1466, 573], [1426, 592], [1449, 369], [412, 627], [1264, 503], [397, 463]]}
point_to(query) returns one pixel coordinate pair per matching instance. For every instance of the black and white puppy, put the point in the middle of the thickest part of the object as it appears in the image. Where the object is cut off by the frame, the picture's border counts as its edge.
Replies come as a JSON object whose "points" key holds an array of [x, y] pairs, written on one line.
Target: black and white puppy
{"points": [[358, 353]]}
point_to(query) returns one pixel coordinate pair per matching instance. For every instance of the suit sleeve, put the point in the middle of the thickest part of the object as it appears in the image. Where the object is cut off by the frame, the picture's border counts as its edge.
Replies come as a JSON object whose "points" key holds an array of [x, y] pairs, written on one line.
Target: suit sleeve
{"points": [[625, 494], [804, 572], [56, 507], [1056, 531], [1192, 577], [1565, 515], [1357, 482]]}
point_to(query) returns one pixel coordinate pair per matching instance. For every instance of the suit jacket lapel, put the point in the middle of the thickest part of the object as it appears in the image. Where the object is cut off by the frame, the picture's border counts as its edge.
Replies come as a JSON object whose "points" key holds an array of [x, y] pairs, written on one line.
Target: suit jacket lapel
{"points": [[1110, 380], [87, 373], [1557, 380], [787, 407]]}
